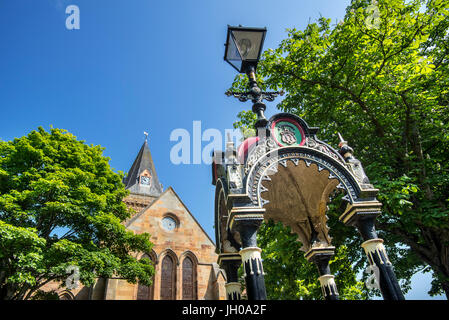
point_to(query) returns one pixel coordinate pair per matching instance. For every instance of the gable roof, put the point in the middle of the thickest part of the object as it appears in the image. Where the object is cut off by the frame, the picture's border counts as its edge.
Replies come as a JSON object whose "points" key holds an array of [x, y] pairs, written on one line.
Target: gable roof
{"points": [[143, 161], [169, 189]]}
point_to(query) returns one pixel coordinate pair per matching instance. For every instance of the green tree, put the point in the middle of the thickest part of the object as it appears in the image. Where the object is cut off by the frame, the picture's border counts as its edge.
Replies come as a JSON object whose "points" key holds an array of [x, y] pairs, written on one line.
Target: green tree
{"points": [[380, 77], [60, 206]]}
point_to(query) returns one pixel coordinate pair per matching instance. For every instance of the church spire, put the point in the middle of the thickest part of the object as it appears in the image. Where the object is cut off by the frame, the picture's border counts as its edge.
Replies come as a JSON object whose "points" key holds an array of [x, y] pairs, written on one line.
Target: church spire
{"points": [[142, 178]]}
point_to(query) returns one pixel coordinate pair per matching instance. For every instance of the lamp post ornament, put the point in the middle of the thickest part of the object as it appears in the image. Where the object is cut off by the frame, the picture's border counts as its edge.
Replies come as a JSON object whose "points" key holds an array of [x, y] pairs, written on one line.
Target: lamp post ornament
{"points": [[286, 166], [243, 50]]}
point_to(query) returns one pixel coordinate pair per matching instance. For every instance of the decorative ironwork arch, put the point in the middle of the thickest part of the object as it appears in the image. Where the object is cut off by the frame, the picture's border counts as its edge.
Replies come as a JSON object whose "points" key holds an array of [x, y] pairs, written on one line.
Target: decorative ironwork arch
{"points": [[266, 166], [288, 175]]}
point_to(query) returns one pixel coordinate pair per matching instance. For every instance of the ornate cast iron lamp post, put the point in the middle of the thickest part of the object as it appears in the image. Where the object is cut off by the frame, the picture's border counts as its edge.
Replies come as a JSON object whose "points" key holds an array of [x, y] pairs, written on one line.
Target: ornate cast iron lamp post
{"points": [[243, 49]]}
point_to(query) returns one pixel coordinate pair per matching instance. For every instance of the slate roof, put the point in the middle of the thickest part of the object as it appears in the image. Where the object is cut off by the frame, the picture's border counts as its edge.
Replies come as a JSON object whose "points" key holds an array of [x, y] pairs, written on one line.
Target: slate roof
{"points": [[143, 161]]}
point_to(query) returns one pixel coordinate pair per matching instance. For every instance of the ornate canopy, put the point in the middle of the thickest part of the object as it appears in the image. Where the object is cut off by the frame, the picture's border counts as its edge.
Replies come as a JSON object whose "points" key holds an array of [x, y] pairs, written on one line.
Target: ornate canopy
{"points": [[287, 174]]}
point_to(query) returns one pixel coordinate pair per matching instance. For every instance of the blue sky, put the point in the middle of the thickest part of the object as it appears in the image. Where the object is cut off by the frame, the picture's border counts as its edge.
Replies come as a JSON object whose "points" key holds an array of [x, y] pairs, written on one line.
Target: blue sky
{"points": [[135, 66]]}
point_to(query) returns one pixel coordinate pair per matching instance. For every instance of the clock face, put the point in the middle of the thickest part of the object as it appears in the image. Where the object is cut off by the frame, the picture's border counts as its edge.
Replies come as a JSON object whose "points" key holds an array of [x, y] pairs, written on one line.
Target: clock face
{"points": [[169, 223], [145, 180]]}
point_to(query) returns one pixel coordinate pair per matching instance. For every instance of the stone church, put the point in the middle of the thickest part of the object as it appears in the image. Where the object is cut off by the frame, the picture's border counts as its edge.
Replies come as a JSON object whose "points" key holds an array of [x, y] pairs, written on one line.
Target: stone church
{"points": [[183, 254]]}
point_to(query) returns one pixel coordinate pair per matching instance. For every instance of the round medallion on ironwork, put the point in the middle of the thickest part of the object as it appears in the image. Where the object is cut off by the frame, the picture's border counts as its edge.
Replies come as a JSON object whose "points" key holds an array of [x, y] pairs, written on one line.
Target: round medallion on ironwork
{"points": [[287, 133]]}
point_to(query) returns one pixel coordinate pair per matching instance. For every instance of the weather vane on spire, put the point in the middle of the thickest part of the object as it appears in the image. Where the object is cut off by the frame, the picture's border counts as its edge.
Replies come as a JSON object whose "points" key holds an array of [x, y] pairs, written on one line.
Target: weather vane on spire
{"points": [[146, 135]]}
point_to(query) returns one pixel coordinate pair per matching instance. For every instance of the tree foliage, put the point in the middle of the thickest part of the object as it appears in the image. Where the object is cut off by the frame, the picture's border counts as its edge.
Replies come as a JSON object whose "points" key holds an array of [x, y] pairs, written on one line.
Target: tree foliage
{"points": [[380, 77], [60, 206]]}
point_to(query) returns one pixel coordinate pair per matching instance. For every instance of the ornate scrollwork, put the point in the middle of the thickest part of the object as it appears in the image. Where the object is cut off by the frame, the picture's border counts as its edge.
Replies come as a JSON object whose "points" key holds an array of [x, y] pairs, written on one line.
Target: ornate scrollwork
{"points": [[353, 164], [235, 178], [264, 168], [228, 247], [254, 95], [312, 143], [262, 147]]}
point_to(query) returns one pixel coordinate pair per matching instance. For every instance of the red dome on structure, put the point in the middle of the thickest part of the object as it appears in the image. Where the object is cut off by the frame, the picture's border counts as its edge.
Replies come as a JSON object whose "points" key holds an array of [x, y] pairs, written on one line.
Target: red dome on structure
{"points": [[243, 149]]}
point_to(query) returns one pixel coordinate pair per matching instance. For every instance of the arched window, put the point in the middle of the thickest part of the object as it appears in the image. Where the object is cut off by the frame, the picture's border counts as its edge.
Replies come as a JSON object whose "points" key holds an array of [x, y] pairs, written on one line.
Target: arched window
{"points": [[168, 280], [144, 292], [188, 279]]}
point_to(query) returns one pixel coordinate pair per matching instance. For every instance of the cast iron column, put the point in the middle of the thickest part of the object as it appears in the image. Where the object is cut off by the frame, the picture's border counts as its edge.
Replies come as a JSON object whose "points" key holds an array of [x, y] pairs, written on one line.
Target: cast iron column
{"points": [[363, 215], [377, 257], [251, 259], [321, 258], [231, 263]]}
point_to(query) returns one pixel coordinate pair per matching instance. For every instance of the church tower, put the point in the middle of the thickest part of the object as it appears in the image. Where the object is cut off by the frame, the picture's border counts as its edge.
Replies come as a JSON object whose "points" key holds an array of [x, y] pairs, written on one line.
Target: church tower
{"points": [[183, 254], [142, 180]]}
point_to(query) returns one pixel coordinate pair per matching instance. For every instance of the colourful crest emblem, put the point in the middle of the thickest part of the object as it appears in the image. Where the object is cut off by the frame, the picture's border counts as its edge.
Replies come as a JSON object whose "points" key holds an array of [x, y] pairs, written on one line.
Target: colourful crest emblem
{"points": [[287, 132]]}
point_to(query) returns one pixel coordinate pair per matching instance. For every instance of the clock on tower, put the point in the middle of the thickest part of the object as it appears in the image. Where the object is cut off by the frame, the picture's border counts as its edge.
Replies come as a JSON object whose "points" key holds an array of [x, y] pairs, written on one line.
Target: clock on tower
{"points": [[145, 181]]}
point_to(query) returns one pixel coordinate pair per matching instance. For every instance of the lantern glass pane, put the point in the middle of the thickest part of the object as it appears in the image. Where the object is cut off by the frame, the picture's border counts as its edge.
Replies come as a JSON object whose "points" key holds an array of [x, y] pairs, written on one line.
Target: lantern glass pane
{"points": [[248, 43], [233, 55]]}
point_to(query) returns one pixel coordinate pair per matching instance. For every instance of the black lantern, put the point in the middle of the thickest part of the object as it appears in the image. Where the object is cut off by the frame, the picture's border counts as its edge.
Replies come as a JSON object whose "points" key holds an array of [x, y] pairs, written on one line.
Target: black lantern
{"points": [[243, 47]]}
